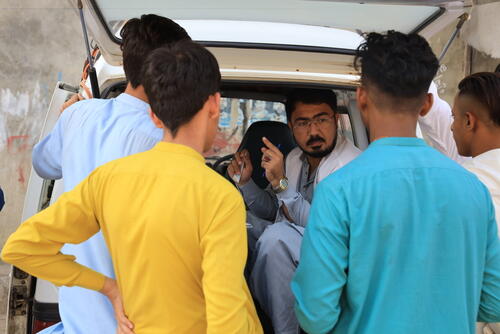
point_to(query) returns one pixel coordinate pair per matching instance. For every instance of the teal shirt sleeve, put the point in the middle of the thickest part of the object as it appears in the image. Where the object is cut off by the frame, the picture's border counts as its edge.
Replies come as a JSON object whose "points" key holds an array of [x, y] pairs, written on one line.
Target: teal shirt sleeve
{"points": [[489, 307], [321, 274]]}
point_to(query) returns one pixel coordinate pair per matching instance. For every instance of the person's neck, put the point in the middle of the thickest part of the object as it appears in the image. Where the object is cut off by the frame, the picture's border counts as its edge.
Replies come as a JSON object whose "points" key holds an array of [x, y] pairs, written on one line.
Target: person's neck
{"points": [[137, 92], [486, 142], [192, 134], [392, 124], [313, 163]]}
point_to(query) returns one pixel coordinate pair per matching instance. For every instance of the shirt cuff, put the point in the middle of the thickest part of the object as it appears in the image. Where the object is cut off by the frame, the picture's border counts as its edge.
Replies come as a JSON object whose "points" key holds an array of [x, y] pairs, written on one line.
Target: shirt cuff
{"points": [[249, 188], [90, 279], [288, 193]]}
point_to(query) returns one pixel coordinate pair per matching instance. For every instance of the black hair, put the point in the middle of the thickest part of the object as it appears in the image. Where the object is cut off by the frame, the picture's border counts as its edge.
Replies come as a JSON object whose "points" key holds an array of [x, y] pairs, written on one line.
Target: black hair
{"points": [[497, 70], [141, 36], [178, 80], [399, 65], [309, 96], [484, 88]]}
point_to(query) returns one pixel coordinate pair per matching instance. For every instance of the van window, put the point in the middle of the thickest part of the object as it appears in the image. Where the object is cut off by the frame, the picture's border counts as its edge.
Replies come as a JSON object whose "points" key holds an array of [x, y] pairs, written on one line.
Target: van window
{"points": [[236, 117]]}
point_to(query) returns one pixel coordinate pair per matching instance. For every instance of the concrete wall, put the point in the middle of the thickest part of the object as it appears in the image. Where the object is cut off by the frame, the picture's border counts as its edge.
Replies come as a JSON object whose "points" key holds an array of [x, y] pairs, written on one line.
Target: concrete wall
{"points": [[40, 43]]}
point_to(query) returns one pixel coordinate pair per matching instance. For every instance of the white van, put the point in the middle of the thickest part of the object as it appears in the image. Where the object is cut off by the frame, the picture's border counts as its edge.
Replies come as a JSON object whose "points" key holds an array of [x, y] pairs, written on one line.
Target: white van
{"points": [[264, 48]]}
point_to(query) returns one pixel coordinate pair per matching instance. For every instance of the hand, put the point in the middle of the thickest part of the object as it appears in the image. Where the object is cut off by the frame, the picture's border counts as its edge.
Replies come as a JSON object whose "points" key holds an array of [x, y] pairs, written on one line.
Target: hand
{"points": [[73, 99], [111, 290], [234, 168], [273, 163]]}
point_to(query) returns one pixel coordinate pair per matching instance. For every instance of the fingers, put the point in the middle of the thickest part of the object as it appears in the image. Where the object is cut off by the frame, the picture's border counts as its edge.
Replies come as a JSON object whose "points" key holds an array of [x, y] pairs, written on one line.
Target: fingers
{"points": [[268, 154], [230, 169], [270, 145], [246, 157], [73, 99], [238, 158], [125, 326]]}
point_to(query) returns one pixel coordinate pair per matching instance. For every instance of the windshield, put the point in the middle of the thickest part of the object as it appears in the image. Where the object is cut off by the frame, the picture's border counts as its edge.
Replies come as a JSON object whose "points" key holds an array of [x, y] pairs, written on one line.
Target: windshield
{"points": [[236, 117]]}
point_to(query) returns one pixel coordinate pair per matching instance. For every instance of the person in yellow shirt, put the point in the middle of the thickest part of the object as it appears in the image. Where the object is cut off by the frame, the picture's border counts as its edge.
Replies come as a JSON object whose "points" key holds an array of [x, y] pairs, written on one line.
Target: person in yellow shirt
{"points": [[175, 229]]}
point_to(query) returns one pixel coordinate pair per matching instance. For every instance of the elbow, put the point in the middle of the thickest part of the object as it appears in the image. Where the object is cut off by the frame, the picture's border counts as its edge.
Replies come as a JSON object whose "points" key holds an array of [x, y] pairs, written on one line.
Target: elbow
{"points": [[45, 172], [491, 314], [11, 254], [313, 323], [7, 255]]}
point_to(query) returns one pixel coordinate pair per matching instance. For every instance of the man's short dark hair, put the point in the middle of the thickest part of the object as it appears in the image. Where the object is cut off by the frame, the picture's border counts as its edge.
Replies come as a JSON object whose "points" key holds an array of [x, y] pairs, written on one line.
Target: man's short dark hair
{"points": [[399, 65], [484, 88], [178, 79], [310, 96], [141, 36]]}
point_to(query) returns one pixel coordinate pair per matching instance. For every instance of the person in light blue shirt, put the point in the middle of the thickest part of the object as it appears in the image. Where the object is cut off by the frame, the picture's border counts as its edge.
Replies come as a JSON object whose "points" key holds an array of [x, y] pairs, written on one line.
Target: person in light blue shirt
{"points": [[402, 239], [88, 134]]}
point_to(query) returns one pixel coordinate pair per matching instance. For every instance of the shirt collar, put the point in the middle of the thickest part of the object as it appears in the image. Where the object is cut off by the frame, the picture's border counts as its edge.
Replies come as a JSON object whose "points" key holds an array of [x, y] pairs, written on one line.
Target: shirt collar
{"points": [[132, 101], [489, 155], [179, 149], [399, 141]]}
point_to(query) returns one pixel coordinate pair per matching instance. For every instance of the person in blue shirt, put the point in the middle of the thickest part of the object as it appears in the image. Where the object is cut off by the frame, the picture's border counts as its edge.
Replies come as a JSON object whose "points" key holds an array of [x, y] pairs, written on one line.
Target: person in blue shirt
{"points": [[88, 134], [402, 239]]}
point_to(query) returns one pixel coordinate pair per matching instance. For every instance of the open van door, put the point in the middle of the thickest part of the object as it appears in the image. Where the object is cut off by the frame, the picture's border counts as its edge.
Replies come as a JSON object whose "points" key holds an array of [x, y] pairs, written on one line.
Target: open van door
{"points": [[27, 310], [106, 17]]}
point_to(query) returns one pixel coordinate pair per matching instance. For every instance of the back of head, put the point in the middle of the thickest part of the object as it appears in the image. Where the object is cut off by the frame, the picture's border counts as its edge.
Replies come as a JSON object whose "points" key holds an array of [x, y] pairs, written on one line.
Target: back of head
{"points": [[484, 89], [178, 80], [310, 96], [400, 67], [141, 36]]}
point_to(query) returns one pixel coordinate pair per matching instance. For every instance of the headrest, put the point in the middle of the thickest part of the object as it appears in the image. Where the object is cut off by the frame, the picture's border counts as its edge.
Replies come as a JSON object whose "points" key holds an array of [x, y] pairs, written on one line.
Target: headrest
{"points": [[278, 133]]}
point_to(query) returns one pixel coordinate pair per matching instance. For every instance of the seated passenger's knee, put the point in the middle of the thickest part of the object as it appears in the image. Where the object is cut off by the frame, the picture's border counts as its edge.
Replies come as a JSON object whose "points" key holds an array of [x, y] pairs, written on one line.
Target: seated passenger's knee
{"points": [[279, 239]]}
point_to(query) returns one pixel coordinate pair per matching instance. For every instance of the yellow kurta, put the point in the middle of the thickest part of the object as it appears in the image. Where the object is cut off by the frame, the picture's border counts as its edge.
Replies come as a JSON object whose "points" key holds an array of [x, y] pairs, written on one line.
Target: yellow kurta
{"points": [[176, 233]]}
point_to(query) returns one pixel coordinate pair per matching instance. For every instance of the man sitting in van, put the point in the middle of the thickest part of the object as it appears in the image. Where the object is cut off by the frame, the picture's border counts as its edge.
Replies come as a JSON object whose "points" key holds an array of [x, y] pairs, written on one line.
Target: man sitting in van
{"points": [[175, 228], [90, 133], [312, 118]]}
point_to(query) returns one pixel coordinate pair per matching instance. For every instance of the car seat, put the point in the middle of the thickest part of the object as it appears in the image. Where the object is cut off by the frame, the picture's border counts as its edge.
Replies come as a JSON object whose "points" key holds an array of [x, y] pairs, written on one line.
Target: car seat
{"points": [[278, 133]]}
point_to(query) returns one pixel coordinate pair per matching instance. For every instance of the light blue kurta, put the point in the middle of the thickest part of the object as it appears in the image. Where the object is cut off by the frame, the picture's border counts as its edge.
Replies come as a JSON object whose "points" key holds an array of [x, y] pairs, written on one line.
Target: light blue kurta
{"points": [[401, 240], [87, 135]]}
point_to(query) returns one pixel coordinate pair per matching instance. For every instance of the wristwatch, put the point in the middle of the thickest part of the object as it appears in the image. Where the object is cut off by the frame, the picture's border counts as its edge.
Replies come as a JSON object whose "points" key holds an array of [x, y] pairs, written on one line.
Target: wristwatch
{"points": [[282, 185]]}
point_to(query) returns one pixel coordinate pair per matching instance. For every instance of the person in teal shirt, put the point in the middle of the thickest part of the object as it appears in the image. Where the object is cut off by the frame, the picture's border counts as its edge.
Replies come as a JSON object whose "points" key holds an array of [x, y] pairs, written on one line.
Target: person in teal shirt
{"points": [[402, 239]]}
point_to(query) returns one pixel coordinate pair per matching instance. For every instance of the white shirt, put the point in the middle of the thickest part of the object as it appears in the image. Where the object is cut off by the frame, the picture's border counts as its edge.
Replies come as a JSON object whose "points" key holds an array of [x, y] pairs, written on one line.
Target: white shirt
{"points": [[486, 166]]}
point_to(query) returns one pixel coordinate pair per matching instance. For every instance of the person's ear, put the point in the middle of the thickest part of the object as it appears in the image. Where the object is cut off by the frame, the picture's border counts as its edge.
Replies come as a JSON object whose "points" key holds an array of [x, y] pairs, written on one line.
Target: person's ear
{"points": [[362, 99], [429, 101], [471, 121], [214, 111], [156, 121]]}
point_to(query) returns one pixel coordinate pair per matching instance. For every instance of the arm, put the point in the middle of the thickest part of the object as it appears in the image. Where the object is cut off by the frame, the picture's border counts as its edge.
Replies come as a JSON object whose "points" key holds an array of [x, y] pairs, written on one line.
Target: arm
{"points": [[229, 306], [47, 154], [489, 307], [35, 246], [262, 203], [321, 274], [293, 207]]}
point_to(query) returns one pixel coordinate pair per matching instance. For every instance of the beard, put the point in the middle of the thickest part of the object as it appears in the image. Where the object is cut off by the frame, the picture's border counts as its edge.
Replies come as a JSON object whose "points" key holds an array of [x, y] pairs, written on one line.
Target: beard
{"points": [[318, 154]]}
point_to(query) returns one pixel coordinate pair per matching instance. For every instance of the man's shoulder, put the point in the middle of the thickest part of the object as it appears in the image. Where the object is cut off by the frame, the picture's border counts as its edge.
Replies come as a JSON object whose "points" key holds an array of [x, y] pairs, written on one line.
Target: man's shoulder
{"points": [[88, 104]]}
